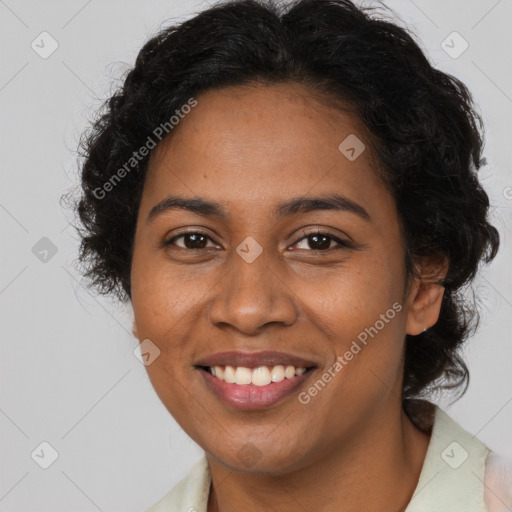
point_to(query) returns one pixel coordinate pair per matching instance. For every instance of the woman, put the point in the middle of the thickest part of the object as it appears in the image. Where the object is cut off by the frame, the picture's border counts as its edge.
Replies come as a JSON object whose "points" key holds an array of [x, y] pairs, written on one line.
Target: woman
{"points": [[288, 198]]}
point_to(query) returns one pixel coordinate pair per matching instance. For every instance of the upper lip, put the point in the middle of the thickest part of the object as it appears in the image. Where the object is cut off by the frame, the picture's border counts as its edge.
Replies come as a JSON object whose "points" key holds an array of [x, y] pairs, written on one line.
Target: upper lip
{"points": [[254, 359]]}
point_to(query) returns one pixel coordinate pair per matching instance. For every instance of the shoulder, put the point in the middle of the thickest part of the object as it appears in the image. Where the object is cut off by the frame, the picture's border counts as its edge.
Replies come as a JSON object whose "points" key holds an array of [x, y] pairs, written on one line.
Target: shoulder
{"points": [[452, 476], [498, 483], [190, 493], [460, 473]]}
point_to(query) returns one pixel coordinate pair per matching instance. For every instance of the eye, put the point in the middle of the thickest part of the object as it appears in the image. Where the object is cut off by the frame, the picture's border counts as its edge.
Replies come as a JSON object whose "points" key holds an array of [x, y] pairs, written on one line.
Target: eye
{"points": [[313, 241], [191, 240], [320, 241]]}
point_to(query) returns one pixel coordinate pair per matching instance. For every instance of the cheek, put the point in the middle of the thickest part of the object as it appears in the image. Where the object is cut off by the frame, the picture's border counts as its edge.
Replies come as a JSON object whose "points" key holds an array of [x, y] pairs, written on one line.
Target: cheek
{"points": [[348, 300], [162, 297], [178, 394], [361, 314]]}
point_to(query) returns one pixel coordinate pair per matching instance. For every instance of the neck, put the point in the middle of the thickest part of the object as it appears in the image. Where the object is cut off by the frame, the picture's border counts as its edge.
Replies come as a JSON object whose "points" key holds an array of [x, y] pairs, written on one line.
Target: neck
{"points": [[377, 468]]}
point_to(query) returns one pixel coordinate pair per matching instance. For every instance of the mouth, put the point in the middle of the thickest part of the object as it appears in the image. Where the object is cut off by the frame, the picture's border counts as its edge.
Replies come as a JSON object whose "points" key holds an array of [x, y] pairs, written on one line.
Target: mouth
{"points": [[252, 381], [259, 376]]}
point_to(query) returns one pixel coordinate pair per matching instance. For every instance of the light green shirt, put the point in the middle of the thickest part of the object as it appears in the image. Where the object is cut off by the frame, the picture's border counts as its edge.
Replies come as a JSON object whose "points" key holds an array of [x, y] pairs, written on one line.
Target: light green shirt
{"points": [[459, 474]]}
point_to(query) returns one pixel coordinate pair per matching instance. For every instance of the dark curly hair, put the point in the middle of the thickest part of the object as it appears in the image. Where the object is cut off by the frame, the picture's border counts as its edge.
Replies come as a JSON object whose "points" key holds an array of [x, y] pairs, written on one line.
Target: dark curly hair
{"points": [[423, 125]]}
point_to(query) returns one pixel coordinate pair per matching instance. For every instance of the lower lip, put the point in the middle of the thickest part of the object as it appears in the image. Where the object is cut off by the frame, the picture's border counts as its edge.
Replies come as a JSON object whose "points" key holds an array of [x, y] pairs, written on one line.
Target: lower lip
{"points": [[251, 397]]}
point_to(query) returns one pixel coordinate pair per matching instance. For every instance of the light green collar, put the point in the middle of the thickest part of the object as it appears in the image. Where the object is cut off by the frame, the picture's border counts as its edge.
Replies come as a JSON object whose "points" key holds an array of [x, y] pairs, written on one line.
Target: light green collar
{"points": [[452, 476]]}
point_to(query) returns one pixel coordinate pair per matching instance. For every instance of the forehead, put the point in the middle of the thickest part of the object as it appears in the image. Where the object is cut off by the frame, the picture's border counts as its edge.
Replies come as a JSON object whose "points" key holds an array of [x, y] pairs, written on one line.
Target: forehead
{"points": [[259, 142], [258, 114]]}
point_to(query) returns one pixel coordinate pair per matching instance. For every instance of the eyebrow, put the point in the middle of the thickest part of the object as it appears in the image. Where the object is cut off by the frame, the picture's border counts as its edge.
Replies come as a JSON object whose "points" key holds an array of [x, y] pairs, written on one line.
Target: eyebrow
{"points": [[209, 208]]}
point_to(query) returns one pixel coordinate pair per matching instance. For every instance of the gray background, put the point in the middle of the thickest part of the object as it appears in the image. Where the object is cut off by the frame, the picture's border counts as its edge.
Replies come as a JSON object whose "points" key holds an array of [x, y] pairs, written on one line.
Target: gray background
{"points": [[68, 373]]}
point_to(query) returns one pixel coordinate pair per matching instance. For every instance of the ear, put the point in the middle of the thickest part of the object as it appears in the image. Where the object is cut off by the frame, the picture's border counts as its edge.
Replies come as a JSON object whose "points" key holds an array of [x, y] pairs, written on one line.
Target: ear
{"points": [[425, 296], [134, 329]]}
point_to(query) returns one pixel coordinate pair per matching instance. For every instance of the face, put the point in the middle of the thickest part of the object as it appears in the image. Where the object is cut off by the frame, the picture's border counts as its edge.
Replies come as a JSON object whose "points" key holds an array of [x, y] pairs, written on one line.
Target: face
{"points": [[297, 262]]}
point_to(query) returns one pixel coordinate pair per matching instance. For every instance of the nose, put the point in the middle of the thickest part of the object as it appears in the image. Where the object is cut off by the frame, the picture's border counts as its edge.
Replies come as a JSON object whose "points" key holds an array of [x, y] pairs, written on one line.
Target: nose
{"points": [[253, 295]]}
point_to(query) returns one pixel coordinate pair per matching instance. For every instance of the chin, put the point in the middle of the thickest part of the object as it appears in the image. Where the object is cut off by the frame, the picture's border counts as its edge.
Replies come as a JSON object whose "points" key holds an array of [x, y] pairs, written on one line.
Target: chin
{"points": [[251, 457]]}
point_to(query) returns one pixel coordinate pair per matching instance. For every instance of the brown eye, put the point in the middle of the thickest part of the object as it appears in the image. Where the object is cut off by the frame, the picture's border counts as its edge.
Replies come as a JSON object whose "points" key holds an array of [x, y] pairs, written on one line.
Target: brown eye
{"points": [[318, 241], [192, 240]]}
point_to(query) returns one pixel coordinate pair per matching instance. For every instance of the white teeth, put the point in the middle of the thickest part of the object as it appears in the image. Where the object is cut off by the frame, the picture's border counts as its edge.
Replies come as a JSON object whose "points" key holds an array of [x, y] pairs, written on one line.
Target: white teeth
{"points": [[242, 375], [218, 372], [289, 372], [229, 374], [260, 376], [277, 373]]}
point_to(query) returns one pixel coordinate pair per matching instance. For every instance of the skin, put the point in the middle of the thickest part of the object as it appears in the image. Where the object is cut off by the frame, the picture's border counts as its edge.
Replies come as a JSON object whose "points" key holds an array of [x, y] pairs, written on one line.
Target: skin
{"points": [[351, 447]]}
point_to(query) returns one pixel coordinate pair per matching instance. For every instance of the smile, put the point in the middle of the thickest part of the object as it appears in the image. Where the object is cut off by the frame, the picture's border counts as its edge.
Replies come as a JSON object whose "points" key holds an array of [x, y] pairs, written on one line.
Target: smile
{"points": [[260, 376], [253, 380]]}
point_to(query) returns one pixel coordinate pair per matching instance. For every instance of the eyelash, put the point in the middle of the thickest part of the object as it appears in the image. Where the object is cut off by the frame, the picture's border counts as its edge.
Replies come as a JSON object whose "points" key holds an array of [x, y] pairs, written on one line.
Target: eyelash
{"points": [[341, 244]]}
